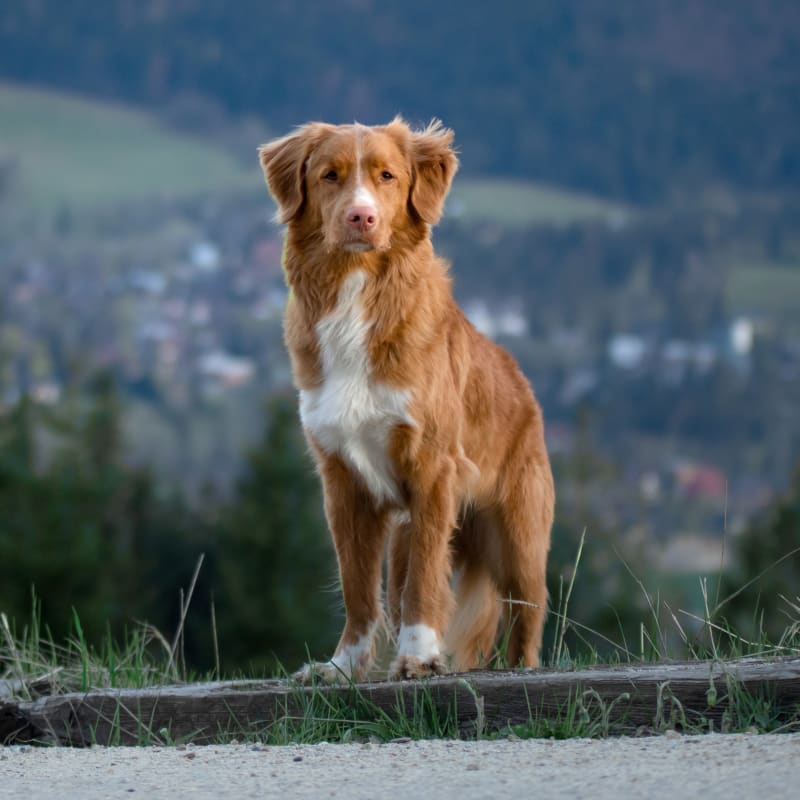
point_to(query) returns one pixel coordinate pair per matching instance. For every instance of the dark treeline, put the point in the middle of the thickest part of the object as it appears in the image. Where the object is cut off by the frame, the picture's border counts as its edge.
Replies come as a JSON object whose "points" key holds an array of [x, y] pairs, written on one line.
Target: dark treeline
{"points": [[81, 530], [625, 99]]}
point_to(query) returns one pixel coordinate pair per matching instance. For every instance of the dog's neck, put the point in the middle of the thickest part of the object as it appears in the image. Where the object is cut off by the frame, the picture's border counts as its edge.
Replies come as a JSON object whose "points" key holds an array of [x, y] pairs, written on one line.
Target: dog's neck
{"points": [[315, 274]]}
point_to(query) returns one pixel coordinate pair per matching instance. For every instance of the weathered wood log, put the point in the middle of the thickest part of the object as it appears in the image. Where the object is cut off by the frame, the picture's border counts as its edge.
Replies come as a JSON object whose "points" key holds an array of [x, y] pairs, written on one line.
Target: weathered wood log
{"points": [[621, 698]]}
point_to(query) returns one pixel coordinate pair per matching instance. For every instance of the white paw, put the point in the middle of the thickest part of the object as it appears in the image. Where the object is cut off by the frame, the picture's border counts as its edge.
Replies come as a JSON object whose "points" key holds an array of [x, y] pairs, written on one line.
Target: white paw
{"points": [[419, 653], [411, 668], [321, 672], [351, 662]]}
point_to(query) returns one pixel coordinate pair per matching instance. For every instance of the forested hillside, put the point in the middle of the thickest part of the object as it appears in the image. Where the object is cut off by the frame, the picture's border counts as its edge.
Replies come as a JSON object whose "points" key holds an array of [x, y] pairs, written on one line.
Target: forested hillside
{"points": [[628, 99]]}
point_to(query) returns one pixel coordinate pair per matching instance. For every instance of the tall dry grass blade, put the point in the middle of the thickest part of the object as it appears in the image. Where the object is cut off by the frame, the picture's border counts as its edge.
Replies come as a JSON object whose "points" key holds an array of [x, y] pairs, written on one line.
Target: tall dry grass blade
{"points": [[653, 610], [563, 628], [684, 636], [215, 639], [152, 633], [756, 578], [180, 661], [184, 611], [15, 656], [724, 539], [733, 635], [704, 593], [12, 648], [575, 624]]}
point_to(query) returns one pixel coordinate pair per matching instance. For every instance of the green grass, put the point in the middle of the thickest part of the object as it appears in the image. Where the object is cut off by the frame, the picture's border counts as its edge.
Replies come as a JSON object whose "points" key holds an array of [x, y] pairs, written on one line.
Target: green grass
{"points": [[513, 203], [349, 716], [82, 154], [31, 658], [35, 663], [584, 715], [769, 289]]}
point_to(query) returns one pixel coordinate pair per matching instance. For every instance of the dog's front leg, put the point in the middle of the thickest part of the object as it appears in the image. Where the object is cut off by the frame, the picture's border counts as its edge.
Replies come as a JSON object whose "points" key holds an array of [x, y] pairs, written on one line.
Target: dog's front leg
{"points": [[427, 599], [358, 530]]}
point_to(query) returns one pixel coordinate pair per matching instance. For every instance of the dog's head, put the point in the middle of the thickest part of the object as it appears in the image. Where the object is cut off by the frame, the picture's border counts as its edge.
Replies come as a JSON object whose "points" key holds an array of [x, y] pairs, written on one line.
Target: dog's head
{"points": [[359, 186]]}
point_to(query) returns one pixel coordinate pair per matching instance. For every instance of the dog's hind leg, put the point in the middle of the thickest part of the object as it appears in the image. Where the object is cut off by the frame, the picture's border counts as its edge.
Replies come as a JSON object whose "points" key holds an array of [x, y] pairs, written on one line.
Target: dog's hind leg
{"points": [[524, 519]]}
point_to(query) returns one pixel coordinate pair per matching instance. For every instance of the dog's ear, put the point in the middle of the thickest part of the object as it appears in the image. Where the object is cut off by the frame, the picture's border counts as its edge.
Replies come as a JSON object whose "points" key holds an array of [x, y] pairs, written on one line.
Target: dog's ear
{"points": [[434, 164], [284, 164]]}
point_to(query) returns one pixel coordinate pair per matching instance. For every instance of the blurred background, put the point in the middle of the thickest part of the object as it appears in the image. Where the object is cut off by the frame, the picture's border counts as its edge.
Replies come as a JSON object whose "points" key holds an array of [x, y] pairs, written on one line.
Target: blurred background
{"points": [[626, 221]]}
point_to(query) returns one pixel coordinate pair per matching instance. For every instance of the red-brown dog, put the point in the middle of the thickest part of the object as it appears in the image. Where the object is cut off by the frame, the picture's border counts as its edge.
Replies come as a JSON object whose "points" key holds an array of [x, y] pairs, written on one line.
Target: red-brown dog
{"points": [[423, 430]]}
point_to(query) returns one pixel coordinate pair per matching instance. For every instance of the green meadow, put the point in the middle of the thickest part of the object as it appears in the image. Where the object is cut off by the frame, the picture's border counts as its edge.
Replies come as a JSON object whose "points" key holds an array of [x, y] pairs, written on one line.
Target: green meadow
{"points": [[517, 203], [769, 289], [82, 154]]}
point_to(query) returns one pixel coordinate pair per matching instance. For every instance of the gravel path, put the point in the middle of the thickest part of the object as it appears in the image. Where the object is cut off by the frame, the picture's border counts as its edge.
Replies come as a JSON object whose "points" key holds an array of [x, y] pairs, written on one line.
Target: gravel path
{"points": [[671, 766]]}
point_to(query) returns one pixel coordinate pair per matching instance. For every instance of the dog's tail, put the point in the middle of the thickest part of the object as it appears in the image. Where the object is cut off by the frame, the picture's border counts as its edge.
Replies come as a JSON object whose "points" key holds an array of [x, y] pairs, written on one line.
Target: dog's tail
{"points": [[470, 637]]}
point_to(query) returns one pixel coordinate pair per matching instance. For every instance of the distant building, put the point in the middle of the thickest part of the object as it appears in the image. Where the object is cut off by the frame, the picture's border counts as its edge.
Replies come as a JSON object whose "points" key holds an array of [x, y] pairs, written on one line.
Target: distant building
{"points": [[509, 321], [229, 370], [477, 312], [701, 481], [46, 393], [271, 304], [205, 256], [148, 281], [626, 350], [741, 334]]}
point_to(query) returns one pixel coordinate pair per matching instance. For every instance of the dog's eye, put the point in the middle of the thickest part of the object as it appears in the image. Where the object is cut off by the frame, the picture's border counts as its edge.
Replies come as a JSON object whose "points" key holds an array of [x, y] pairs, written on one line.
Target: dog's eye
{"points": [[330, 176], [386, 176]]}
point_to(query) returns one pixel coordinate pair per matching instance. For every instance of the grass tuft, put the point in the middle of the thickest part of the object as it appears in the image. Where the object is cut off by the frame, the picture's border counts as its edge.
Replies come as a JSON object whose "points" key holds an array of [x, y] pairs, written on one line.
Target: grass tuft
{"points": [[33, 664]]}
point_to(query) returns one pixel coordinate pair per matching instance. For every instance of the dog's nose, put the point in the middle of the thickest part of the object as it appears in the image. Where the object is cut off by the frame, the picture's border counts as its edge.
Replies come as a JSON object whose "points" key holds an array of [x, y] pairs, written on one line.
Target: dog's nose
{"points": [[362, 218]]}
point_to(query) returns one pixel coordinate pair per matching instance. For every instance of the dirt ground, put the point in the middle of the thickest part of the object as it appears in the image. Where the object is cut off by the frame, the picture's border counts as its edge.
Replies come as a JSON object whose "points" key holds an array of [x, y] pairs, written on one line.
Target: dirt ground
{"points": [[671, 766]]}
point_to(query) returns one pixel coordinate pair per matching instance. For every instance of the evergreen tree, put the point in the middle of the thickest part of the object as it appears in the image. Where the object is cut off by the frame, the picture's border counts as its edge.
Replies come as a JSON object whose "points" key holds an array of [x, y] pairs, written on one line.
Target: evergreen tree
{"points": [[277, 565], [768, 553], [85, 531], [49, 526]]}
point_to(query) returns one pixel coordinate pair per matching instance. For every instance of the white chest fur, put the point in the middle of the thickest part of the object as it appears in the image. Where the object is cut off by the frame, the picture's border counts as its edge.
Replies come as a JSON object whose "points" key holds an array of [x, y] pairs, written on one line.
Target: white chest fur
{"points": [[351, 414]]}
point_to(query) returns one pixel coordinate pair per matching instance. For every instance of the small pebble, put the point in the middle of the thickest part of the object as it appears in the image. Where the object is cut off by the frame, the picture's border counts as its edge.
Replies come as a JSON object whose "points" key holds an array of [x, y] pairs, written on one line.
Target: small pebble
{"points": [[297, 758]]}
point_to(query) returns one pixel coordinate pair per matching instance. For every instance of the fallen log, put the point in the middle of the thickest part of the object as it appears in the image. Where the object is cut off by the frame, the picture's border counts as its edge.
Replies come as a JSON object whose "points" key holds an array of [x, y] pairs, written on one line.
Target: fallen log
{"points": [[624, 698]]}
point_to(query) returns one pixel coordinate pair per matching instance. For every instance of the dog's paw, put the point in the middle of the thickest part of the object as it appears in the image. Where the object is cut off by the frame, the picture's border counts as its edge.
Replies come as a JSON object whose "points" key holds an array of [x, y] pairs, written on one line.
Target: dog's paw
{"points": [[408, 667], [321, 672]]}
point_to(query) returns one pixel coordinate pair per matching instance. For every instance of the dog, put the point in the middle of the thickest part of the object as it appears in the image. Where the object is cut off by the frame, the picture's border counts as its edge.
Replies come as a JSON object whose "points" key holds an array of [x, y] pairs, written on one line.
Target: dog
{"points": [[427, 437]]}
